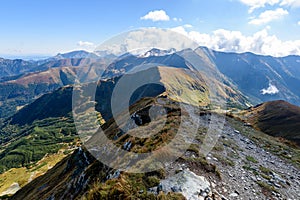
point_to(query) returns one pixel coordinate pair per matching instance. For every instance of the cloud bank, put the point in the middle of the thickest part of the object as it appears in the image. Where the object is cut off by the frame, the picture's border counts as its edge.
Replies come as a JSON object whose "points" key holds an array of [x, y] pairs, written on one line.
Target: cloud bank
{"points": [[141, 40], [260, 42], [89, 46], [290, 3], [255, 4]]}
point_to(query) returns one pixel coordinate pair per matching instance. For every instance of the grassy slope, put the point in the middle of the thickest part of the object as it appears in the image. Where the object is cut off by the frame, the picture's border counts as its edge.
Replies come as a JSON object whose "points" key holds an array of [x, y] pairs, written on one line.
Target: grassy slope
{"points": [[276, 118], [89, 180], [184, 86]]}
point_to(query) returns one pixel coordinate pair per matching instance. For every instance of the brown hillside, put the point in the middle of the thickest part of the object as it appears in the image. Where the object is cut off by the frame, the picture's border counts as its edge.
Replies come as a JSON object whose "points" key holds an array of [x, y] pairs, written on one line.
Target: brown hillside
{"points": [[276, 118]]}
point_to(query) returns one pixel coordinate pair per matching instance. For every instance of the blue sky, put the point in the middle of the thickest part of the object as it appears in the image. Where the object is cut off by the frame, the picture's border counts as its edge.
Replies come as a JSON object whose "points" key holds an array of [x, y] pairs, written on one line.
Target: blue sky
{"points": [[52, 26]]}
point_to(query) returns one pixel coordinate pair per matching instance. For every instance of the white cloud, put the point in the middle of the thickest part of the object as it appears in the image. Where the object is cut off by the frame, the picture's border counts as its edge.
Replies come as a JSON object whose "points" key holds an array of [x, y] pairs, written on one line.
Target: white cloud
{"points": [[272, 89], [291, 3], [254, 4], [188, 26], [234, 41], [299, 23], [86, 45], [268, 16], [139, 41], [177, 19], [156, 15]]}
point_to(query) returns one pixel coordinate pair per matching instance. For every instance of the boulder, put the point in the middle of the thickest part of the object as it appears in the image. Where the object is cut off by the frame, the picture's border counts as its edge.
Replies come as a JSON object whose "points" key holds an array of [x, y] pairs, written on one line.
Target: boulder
{"points": [[188, 184]]}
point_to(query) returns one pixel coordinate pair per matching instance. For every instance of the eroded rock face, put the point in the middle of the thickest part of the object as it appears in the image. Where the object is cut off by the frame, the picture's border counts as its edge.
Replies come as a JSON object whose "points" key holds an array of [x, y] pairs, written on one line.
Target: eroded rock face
{"points": [[11, 190], [187, 183]]}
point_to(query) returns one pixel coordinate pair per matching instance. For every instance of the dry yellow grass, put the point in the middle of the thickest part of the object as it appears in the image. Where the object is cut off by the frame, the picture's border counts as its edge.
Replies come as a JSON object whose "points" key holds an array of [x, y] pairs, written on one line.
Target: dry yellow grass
{"points": [[184, 86]]}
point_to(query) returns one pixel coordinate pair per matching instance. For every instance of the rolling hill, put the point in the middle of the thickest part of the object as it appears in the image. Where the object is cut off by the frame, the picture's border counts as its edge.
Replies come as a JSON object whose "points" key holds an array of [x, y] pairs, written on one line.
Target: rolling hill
{"points": [[276, 118]]}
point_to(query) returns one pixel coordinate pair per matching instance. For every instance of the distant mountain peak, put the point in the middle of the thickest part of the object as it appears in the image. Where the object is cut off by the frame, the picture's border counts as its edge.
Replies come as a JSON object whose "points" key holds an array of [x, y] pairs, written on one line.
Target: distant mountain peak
{"points": [[76, 54], [157, 52]]}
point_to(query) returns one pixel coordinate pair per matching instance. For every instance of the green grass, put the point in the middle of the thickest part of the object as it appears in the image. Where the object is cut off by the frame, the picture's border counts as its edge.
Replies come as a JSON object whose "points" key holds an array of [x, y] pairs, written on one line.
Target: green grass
{"points": [[233, 155], [248, 167], [266, 186], [129, 186], [224, 160], [201, 163], [266, 177], [264, 170], [218, 147], [251, 159], [194, 148]]}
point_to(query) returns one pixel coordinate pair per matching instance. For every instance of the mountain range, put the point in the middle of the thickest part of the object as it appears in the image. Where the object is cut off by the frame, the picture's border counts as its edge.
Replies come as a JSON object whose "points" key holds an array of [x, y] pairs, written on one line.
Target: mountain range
{"points": [[260, 79], [42, 156]]}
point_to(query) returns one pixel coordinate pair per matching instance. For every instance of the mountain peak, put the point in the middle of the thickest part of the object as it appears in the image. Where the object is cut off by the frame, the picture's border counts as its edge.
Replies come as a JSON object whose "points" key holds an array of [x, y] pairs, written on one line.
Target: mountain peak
{"points": [[76, 54], [157, 52]]}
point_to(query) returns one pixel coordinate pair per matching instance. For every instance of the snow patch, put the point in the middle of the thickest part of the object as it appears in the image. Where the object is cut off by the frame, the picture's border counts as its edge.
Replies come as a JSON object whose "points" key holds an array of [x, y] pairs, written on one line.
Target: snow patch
{"points": [[156, 52]]}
